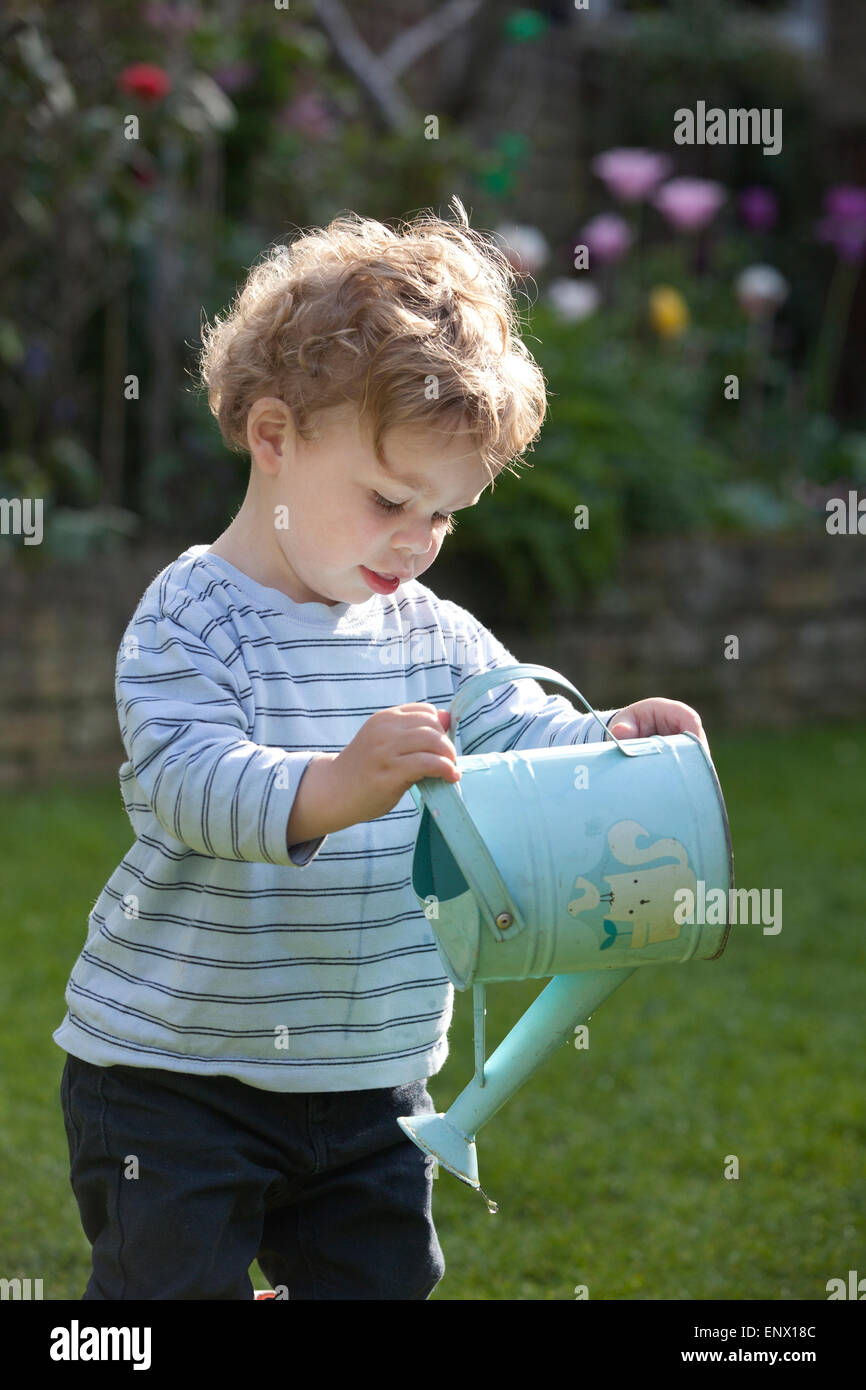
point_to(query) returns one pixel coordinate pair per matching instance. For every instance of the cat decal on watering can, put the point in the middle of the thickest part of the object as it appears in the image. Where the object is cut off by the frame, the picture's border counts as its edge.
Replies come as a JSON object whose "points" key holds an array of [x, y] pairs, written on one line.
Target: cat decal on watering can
{"points": [[639, 902]]}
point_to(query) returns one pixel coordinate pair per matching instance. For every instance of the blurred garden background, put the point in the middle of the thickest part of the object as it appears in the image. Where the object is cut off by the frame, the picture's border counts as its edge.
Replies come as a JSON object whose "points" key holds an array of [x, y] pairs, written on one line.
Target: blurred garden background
{"points": [[699, 311], [556, 128]]}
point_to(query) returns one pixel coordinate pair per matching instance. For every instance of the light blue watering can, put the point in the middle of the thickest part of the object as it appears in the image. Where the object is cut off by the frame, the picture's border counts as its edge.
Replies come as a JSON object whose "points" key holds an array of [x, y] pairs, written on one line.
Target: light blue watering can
{"points": [[572, 861]]}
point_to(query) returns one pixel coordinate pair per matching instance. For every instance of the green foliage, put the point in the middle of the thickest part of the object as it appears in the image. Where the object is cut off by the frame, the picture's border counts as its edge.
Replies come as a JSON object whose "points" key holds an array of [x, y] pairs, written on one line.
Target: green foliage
{"points": [[211, 176], [625, 438], [65, 481]]}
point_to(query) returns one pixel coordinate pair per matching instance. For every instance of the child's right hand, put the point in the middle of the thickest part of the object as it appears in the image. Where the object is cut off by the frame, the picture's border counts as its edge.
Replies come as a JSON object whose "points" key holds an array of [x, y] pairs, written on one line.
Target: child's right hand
{"points": [[394, 749]]}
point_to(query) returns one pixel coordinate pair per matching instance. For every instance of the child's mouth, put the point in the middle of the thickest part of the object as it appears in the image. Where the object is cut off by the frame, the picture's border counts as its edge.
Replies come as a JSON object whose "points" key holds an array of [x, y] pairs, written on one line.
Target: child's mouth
{"points": [[379, 582]]}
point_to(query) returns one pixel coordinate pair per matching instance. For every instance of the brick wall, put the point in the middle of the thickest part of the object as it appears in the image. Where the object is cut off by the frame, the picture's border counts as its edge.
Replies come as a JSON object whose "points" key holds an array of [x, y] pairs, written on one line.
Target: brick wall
{"points": [[798, 608]]}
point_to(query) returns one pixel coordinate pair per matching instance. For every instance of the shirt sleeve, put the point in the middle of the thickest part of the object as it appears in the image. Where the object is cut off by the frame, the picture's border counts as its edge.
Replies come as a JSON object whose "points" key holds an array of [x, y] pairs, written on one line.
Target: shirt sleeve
{"points": [[184, 729], [518, 714]]}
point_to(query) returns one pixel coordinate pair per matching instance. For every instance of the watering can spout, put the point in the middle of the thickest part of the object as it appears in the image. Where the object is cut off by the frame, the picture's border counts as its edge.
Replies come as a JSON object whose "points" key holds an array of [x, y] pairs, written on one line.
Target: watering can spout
{"points": [[550, 1021], [436, 1135]]}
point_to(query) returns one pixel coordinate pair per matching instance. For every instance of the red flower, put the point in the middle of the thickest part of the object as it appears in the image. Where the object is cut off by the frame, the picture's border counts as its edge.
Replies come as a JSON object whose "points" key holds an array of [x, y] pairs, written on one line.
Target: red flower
{"points": [[143, 174], [145, 80]]}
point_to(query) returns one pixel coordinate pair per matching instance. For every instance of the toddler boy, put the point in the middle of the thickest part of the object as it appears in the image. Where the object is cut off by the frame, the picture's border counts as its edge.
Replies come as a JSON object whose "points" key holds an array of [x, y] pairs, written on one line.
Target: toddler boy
{"points": [[259, 996]]}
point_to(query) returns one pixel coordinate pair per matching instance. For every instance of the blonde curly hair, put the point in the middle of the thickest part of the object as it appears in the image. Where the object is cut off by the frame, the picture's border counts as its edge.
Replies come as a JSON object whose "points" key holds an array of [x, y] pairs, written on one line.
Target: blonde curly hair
{"points": [[415, 327]]}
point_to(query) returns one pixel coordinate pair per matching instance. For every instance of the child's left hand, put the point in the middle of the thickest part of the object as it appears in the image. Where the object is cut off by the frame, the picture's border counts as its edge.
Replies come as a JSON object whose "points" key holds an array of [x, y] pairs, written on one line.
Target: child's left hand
{"points": [[658, 716]]}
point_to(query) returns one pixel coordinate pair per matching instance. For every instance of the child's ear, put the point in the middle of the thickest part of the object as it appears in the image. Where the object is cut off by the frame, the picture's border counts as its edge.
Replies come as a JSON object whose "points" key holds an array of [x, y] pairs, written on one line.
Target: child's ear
{"points": [[269, 424]]}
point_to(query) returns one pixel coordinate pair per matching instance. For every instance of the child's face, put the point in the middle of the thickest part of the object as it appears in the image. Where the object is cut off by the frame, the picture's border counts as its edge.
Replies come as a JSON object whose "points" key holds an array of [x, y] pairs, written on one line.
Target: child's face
{"points": [[334, 489]]}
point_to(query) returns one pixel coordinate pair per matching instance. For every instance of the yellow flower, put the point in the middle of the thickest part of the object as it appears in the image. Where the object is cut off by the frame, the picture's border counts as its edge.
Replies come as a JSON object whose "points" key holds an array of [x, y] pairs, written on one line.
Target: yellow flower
{"points": [[669, 315]]}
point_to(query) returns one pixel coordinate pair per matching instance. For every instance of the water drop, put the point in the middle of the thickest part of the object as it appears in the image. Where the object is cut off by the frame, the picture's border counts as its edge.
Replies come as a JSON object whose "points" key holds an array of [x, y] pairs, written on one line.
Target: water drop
{"points": [[492, 1206]]}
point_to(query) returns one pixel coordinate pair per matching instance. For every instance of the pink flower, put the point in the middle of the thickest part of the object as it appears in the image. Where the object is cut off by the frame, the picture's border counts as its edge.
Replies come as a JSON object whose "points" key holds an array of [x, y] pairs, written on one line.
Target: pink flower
{"points": [[631, 175], [607, 237], [309, 114], [689, 204], [758, 208], [233, 77], [844, 221], [178, 20]]}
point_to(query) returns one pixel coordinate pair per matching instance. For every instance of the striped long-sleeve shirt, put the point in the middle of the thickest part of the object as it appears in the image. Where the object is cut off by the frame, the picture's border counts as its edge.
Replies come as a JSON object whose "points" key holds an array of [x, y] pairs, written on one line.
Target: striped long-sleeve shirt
{"points": [[217, 948]]}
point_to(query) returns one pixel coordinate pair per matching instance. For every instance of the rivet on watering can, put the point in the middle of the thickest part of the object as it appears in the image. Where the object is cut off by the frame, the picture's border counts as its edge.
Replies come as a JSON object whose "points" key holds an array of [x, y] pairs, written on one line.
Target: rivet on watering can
{"points": [[504, 921]]}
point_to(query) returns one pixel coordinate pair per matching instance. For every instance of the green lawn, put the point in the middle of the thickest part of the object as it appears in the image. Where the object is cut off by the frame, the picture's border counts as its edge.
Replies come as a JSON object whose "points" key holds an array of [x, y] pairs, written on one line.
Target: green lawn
{"points": [[608, 1166]]}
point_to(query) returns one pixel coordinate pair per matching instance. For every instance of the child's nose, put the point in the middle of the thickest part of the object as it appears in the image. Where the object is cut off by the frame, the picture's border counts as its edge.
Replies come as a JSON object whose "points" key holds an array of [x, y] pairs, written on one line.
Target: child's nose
{"points": [[417, 536]]}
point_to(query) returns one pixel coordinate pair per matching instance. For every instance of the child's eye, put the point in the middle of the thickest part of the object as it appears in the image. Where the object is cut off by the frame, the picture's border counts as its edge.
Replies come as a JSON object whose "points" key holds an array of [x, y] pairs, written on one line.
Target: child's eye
{"points": [[389, 506], [450, 520]]}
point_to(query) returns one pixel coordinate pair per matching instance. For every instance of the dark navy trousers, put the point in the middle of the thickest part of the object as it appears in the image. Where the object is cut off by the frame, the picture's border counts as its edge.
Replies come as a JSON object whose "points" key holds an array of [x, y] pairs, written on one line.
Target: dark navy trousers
{"points": [[182, 1181]]}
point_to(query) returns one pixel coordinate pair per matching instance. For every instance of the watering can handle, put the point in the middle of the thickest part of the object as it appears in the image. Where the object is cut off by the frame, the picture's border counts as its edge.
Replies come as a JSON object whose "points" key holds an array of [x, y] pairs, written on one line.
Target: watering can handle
{"points": [[478, 685]]}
